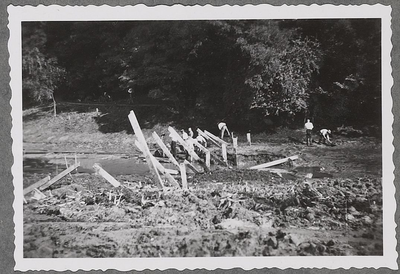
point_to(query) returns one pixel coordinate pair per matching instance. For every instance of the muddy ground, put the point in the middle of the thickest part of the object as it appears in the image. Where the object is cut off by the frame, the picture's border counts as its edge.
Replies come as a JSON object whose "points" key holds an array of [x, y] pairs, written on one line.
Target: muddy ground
{"points": [[327, 202]]}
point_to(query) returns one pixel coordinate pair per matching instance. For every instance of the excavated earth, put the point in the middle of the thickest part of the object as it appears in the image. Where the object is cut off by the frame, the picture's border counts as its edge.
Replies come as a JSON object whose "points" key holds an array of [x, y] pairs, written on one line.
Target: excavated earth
{"points": [[328, 202]]}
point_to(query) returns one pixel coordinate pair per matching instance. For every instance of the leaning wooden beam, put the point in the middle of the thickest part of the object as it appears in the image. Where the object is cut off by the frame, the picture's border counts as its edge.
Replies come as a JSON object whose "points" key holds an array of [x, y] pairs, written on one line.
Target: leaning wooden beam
{"points": [[215, 137], [205, 150], [99, 170], [159, 166], [274, 163], [58, 177], [192, 167], [215, 157], [146, 151], [36, 185], [188, 149], [201, 133], [165, 149]]}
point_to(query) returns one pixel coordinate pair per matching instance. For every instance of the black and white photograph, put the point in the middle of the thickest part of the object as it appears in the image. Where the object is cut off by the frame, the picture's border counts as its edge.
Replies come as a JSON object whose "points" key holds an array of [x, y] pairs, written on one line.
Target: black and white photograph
{"points": [[252, 136]]}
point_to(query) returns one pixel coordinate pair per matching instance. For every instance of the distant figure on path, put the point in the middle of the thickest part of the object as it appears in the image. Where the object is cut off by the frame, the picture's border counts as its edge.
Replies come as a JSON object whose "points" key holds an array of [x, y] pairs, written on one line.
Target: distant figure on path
{"points": [[309, 127], [222, 127], [130, 91], [324, 136]]}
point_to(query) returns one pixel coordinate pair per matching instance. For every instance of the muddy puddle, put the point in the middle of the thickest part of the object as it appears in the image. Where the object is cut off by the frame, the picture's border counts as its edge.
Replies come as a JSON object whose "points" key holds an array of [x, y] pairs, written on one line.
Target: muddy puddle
{"points": [[113, 166]]}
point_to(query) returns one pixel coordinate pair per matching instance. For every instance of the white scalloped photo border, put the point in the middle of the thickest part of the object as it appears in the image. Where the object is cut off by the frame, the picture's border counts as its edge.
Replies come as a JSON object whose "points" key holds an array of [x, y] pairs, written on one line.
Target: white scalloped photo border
{"points": [[18, 14]]}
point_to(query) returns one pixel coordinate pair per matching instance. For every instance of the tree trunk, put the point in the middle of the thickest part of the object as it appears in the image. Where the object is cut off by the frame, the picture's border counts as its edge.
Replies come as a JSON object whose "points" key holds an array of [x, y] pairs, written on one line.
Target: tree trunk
{"points": [[54, 106]]}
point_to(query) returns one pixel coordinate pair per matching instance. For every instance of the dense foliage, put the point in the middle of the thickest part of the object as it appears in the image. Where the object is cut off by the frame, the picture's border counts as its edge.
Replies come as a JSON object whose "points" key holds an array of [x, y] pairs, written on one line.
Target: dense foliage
{"points": [[250, 73]]}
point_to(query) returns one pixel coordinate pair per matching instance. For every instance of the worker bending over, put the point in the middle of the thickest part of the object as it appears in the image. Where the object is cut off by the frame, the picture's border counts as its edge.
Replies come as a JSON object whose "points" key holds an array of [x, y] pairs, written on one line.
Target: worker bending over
{"points": [[324, 136], [222, 127]]}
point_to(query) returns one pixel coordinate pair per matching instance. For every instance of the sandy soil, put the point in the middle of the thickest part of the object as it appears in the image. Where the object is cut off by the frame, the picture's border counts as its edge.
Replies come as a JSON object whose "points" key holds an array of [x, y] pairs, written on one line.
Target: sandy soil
{"points": [[228, 212]]}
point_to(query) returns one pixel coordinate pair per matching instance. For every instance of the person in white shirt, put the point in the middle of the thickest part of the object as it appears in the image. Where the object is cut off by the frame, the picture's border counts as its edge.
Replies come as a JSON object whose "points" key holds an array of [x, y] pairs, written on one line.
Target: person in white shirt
{"points": [[309, 127], [190, 132], [200, 139], [324, 136], [222, 127]]}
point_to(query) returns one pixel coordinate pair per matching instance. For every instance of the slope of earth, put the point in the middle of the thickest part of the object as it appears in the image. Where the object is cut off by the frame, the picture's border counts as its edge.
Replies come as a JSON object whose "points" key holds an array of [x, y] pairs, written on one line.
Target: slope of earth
{"points": [[226, 212]]}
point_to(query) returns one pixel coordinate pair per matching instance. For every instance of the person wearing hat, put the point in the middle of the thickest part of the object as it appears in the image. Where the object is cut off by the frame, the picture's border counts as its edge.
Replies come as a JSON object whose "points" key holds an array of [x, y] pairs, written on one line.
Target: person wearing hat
{"points": [[309, 127], [324, 136]]}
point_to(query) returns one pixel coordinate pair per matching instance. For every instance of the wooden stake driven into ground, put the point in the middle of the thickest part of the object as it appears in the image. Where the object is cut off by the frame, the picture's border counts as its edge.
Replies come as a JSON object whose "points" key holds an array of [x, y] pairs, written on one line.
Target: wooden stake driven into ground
{"points": [[146, 151], [215, 137], [274, 163], [36, 185], [99, 170], [59, 176], [182, 168], [159, 166], [165, 149], [201, 133], [188, 149]]}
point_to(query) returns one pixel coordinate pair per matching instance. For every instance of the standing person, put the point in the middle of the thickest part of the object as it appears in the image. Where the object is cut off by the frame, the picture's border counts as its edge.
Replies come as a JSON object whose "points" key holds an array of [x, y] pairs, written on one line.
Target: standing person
{"points": [[309, 127], [222, 127], [130, 91], [190, 132], [324, 136]]}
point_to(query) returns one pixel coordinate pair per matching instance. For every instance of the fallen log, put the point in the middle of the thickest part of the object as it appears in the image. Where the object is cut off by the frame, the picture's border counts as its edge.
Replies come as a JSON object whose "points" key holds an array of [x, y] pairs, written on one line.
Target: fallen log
{"points": [[274, 163], [58, 177], [36, 185], [99, 170]]}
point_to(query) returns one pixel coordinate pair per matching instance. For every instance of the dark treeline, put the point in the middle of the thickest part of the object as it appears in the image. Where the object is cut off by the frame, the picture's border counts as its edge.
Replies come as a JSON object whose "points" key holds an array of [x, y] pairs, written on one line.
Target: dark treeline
{"points": [[250, 73]]}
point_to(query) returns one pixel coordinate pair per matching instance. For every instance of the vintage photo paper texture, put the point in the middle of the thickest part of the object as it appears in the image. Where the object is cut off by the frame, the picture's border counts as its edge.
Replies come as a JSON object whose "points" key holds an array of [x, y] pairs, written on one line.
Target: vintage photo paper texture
{"points": [[32, 251]]}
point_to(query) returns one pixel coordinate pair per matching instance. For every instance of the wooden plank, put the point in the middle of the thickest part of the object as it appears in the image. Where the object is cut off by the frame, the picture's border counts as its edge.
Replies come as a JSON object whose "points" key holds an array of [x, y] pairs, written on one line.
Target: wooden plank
{"points": [[215, 157], [182, 167], [215, 137], [165, 149], [224, 153], [201, 133], [208, 159], [146, 151], [99, 170], [188, 149], [192, 167], [184, 144], [274, 163], [36, 185], [159, 166], [235, 142], [58, 177], [171, 171], [205, 150]]}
